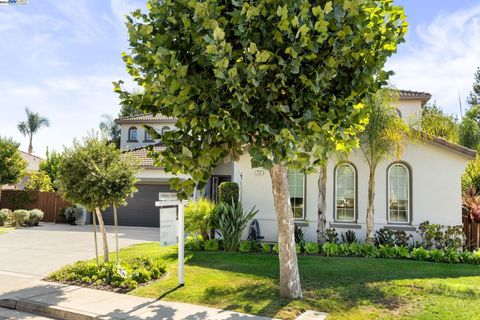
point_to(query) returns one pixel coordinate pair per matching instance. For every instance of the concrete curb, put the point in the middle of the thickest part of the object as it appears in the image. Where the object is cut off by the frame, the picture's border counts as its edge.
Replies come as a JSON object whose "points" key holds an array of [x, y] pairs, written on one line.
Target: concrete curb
{"points": [[44, 309]]}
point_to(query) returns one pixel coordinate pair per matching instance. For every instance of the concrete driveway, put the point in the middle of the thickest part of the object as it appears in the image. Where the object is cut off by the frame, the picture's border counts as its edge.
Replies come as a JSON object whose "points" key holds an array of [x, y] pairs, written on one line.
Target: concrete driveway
{"points": [[35, 252]]}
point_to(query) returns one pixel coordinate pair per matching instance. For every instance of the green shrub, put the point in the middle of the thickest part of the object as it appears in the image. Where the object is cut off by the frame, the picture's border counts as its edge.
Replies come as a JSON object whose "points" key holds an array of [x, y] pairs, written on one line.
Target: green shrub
{"points": [[231, 221], [20, 199], [311, 248], [475, 257], [344, 249], [34, 217], [384, 237], [200, 217], [436, 255], [467, 257], [386, 252], [420, 254], [245, 246], [211, 245], [369, 251], [401, 252], [126, 277], [451, 256], [4, 214], [71, 214], [194, 243], [331, 235], [356, 249], [19, 218], [266, 248], [298, 248], [402, 238], [331, 249], [228, 192], [275, 248]]}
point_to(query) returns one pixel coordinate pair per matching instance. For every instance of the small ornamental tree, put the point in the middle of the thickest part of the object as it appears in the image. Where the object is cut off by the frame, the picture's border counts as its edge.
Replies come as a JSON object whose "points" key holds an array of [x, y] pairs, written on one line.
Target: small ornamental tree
{"points": [[12, 165], [95, 174], [271, 78]]}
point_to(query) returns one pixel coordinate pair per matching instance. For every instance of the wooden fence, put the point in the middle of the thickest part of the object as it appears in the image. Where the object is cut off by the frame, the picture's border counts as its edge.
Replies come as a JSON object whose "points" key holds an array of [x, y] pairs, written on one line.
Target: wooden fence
{"points": [[49, 202], [472, 232]]}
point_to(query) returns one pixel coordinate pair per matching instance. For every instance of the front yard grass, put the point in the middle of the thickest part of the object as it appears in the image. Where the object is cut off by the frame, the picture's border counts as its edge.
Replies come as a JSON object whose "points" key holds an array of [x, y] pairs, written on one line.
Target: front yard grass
{"points": [[347, 288]]}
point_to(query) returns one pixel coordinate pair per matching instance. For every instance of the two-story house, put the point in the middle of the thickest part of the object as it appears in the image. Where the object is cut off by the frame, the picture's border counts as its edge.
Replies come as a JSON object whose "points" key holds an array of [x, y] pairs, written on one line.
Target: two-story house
{"points": [[424, 184]]}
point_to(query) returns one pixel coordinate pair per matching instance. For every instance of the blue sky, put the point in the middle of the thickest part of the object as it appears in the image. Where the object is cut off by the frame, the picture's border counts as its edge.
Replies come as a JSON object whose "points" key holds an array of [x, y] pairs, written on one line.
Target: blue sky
{"points": [[59, 57]]}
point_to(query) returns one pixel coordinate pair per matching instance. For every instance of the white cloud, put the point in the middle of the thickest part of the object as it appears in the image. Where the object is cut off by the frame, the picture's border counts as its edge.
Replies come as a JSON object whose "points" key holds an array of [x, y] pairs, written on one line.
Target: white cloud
{"points": [[443, 59]]}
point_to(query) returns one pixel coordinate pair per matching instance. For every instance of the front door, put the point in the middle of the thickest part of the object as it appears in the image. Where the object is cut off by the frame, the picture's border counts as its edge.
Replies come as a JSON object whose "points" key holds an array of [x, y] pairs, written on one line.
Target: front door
{"points": [[215, 181]]}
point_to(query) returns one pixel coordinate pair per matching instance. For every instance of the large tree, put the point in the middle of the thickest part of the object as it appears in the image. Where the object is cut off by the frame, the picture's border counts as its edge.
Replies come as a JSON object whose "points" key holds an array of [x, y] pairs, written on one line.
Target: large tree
{"points": [[12, 165], [31, 126], [95, 174], [383, 138], [271, 78], [474, 97]]}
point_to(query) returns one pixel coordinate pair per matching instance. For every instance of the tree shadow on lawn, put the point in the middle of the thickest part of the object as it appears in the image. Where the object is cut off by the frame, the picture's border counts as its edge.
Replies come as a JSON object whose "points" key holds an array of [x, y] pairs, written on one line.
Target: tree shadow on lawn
{"points": [[329, 284]]}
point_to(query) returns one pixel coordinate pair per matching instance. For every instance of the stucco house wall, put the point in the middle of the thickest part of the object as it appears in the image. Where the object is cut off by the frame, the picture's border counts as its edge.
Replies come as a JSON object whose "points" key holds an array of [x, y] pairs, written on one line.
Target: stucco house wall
{"points": [[435, 191]]}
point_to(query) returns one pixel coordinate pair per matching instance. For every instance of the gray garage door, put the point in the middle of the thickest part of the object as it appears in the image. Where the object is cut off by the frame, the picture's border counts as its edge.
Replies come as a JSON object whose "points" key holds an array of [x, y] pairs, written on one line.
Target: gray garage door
{"points": [[141, 210]]}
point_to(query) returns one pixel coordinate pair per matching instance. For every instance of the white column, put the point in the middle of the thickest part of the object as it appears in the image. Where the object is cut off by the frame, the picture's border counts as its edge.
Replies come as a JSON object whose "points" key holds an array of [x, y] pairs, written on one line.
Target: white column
{"points": [[181, 239]]}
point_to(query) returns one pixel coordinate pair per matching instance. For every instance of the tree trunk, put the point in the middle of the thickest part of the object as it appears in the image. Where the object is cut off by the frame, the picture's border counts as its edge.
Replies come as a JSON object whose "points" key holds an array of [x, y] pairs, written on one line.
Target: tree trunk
{"points": [[115, 218], [95, 237], [322, 204], [104, 235], [30, 145], [369, 238], [290, 286]]}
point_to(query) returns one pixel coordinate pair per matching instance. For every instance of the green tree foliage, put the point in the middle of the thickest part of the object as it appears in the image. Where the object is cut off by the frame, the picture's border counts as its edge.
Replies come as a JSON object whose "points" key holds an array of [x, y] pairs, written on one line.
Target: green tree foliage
{"points": [[110, 129], [39, 181], [276, 76], [469, 130], [12, 165], [95, 174], [436, 122], [471, 177], [50, 166], [474, 97], [383, 138], [34, 123]]}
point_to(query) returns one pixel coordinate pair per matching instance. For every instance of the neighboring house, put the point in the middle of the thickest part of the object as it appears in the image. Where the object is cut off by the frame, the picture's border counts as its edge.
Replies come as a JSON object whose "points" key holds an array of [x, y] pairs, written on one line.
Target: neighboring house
{"points": [[33, 166], [424, 184]]}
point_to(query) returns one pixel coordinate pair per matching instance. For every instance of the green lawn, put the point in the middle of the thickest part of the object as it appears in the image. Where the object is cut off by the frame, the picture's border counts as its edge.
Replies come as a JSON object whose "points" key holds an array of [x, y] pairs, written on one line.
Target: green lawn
{"points": [[347, 288], [5, 230]]}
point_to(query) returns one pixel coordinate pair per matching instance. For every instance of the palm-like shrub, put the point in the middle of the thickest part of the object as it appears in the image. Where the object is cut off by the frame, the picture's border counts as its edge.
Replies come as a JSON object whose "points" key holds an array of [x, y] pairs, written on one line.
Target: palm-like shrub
{"points": [[231, 220], [471, 203]]}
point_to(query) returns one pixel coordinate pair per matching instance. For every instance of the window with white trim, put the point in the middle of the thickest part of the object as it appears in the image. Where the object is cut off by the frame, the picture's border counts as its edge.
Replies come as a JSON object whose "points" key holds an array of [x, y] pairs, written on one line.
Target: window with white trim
{"points": [[148, 137], [345, 193], [398, 193], [296, 188]]}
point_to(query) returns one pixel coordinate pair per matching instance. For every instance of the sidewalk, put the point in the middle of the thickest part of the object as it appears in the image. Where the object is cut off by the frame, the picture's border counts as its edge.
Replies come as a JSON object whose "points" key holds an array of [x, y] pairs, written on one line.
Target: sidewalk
{"points": [[109, 305]]}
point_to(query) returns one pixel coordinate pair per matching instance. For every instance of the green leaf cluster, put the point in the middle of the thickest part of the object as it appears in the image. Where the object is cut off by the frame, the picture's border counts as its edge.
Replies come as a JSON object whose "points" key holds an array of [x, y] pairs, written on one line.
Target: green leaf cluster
{"points": [[271, 78], [94, 174], [39, 181], [12, 165]]}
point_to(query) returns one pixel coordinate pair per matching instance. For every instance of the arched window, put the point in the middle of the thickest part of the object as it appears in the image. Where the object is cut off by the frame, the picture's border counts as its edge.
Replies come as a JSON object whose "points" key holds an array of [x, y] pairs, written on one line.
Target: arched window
{"points": [[398, 193], [148, 137], [296, 188], [345, 193], [166, 129], [132, 134]]}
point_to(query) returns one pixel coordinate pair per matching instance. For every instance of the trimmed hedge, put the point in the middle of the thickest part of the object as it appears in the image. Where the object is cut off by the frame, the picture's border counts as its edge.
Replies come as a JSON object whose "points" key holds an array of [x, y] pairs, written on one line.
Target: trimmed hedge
{"points": [[4, 213], [228, 191]]}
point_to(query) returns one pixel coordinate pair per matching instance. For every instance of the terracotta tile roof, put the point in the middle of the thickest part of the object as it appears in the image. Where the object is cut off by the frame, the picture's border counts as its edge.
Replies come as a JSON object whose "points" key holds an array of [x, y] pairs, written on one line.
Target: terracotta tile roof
{"points": [[469, 153], [414, 95], [141, 154], [148, 117]]}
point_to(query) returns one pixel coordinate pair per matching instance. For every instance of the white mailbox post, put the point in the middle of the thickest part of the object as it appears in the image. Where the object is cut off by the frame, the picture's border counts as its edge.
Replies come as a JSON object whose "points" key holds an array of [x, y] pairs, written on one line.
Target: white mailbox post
{"points": [[169, 200]]}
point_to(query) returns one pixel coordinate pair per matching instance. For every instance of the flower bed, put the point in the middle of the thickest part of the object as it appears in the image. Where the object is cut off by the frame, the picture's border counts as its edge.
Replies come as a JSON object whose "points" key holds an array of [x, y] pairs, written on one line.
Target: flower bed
{"points": [[131, 273]]}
